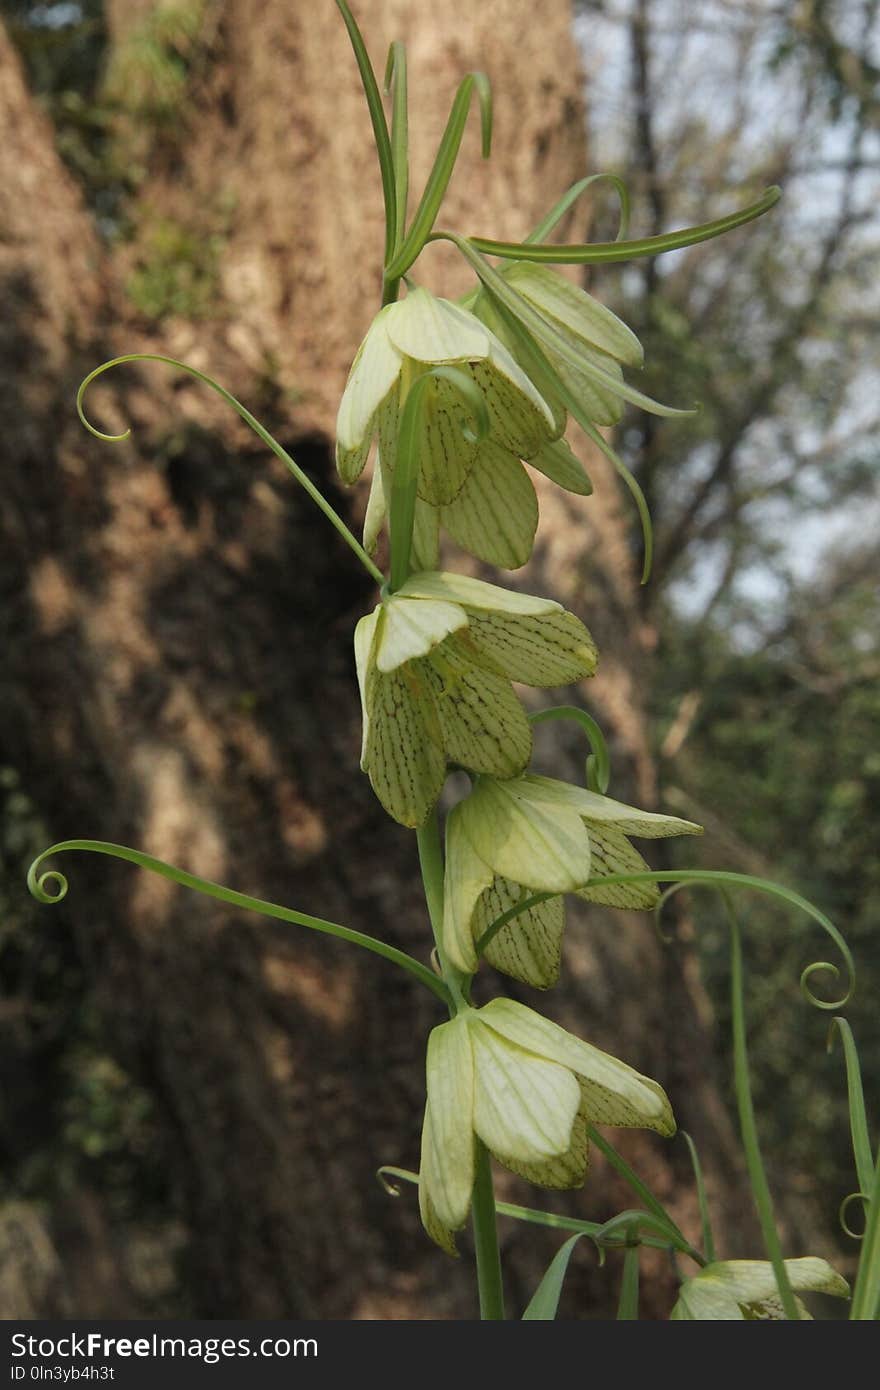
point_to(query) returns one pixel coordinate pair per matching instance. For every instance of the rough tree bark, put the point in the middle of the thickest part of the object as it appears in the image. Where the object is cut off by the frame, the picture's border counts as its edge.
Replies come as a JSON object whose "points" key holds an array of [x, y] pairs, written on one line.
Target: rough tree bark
{"points": [[177, 626]]}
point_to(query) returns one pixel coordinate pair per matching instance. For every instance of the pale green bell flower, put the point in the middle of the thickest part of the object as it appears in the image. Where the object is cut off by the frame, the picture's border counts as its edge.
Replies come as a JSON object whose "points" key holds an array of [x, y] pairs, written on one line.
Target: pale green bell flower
{"points": [[743, 1290], [528, 1089], [435, 661], [598, 337], [477, 489], [509, 840]]}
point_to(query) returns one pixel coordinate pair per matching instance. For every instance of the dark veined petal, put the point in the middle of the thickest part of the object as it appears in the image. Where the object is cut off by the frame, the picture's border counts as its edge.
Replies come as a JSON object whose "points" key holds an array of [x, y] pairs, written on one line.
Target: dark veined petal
{"points": [[495, 515], [612, 853], [483, 724], [553, 649], [404, 744], [446, 455], [486, 311], [520, 418], [529, 947]]}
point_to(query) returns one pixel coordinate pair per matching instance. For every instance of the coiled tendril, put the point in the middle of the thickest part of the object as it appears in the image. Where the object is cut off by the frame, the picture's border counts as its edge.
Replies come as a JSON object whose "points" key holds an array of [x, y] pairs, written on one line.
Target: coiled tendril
{"points": [[718, 879], [39, 885], [249, 419]]}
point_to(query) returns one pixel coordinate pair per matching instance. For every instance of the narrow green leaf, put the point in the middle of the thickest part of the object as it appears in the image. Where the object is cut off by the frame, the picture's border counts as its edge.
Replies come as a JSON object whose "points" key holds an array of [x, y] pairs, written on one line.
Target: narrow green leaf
{"points": [[642, 1190], [50, 886], [608, 251], [441, 172], [554, 1221], [556, 214], [628, 1306], [714, 878], [545, 1300], [396, 84], [705, 1222], [866, 1294], [380, 125], [858, 1119], [748, 1128]]}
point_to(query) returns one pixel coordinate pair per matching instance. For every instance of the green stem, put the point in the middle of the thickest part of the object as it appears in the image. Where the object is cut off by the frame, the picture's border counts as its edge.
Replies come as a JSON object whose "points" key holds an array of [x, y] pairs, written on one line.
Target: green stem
{"points": [[486, 1240], [431, 862]]}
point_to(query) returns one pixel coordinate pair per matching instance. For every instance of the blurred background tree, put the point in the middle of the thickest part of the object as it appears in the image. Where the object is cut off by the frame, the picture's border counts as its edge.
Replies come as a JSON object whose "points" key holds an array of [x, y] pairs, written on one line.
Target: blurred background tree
{"points": [[764, 601], [214, 1096]]}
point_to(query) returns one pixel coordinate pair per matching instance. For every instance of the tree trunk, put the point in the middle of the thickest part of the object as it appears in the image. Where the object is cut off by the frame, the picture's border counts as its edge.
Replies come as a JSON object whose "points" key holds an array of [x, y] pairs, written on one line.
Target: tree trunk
{"points": [[178, 627]]}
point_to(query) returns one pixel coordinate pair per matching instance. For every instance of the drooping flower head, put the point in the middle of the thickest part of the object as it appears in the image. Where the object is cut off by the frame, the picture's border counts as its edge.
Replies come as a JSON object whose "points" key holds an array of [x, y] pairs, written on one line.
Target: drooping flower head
{"points": [[477, 489], [597, 338], [746, 1290], [528, 1089], [435, 662], [509, 840]]}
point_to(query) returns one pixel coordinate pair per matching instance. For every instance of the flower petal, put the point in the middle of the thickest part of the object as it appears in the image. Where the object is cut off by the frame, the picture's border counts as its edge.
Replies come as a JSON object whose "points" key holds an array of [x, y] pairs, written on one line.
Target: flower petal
{"points": [[374, 518], [557, 298], [751, 1281], [449, 1170], [411, 628], [557, 462], [446, 454], [364, 635], [553, 649], [373, 374], [524, 1106], [485, 310], [428, 1181], [466, 878], [483, 724], [476, 593], [563, 1170], [603, 811], [614, 1093], [495, 515], [546, 848], [737, 1289], [600, 401], [706, 1300], [520, 418], [429, 329], [529, 947], [403, 750], [612, 853]]}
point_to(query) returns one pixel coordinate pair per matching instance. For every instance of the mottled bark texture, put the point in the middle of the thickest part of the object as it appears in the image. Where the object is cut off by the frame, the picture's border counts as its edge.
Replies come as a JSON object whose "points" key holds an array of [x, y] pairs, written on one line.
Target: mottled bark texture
{"points": [[176, 625]]}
